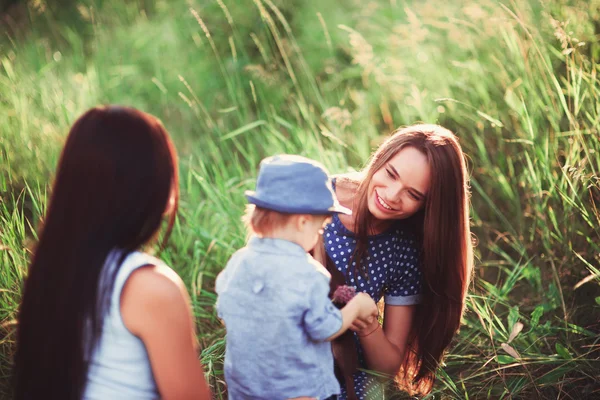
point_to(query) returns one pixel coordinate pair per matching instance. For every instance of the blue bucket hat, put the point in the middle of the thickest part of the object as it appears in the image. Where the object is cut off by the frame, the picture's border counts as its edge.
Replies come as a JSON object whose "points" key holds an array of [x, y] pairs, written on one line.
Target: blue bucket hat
{"points": [[295, 185]]}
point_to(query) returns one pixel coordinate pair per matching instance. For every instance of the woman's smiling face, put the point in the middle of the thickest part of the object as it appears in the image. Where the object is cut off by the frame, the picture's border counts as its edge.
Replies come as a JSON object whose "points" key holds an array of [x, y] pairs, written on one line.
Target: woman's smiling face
{"points": [[399, 188]]}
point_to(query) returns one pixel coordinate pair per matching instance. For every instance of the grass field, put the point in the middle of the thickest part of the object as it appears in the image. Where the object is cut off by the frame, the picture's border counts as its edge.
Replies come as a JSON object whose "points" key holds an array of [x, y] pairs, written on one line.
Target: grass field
{"points": [[234, 81]]}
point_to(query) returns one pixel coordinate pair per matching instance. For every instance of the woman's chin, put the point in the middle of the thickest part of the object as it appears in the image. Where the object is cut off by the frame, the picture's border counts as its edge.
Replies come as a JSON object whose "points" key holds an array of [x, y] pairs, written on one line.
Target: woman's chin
{"points": [[384, 215], [380, 214]]}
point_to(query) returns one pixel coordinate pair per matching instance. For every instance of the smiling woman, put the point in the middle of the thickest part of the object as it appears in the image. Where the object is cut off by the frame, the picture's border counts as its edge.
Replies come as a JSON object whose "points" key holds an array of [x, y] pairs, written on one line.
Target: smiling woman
{"points": [[408, 241], [399, 189]]}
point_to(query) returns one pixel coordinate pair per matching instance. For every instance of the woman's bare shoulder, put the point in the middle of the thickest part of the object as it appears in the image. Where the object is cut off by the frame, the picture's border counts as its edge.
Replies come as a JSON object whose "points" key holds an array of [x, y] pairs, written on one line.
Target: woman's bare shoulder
{"points": [[151, 292]]}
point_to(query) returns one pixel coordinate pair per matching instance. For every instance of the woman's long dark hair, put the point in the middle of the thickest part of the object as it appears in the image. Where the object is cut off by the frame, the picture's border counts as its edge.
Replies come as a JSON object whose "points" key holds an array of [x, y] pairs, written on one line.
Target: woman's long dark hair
{"points": [[116, 177], [446, 256]]}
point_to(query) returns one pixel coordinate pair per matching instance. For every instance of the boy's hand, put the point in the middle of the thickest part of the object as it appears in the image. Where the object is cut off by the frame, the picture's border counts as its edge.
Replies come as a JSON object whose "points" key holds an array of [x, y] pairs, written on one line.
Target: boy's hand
{"points": [[367, 308], [361, 307]]}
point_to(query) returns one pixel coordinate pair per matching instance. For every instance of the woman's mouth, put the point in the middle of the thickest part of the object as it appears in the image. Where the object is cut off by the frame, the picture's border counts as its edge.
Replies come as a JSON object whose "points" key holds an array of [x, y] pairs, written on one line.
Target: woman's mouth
{"points": [[382, 203]]}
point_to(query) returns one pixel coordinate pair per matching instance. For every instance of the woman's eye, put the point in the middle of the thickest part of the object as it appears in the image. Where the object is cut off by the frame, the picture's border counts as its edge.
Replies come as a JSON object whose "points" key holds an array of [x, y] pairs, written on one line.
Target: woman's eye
{"points": [[414, 196], [389, 173]]}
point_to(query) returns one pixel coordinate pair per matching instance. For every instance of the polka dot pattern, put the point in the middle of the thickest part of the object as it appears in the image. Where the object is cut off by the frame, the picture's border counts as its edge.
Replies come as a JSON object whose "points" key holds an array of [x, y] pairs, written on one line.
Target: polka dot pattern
{"points": [[392, 269], [391, 266], [366, 387]]}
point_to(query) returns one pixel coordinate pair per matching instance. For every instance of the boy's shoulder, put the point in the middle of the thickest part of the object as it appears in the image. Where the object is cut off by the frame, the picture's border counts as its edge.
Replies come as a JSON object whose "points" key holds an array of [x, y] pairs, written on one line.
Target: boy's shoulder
{"points": [[306, 268], [236, 258], [230, 269], [309, 275], [317, 267]]}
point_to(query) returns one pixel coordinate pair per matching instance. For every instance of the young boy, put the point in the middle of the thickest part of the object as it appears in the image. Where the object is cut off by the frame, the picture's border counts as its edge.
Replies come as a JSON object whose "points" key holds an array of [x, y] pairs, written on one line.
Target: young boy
{"points": [[273, 296]]}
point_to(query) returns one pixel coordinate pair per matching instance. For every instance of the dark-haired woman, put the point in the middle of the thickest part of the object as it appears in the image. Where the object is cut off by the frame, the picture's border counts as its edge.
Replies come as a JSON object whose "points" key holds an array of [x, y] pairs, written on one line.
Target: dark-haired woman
{"points": [[100, 319], [408, 240]]}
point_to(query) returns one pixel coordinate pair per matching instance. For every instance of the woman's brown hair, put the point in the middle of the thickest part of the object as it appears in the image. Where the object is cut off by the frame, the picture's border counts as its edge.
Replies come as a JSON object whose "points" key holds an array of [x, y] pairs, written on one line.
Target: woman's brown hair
{"points": [[116, 178], [446, 248]]}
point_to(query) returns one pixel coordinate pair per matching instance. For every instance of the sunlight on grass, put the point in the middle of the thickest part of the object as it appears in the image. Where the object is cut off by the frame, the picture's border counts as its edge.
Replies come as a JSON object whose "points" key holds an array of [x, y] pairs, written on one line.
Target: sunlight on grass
{"points": [[235, 82]]}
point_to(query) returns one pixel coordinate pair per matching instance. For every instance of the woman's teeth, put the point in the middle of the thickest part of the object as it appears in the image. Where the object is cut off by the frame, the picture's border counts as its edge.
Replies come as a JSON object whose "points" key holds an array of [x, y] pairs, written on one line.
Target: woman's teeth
{"points": [[384, 204]]}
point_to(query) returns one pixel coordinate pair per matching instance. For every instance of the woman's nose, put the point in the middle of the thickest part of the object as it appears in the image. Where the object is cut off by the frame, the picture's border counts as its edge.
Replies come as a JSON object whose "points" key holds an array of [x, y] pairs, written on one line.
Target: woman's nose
{"points": [[393, 193]]}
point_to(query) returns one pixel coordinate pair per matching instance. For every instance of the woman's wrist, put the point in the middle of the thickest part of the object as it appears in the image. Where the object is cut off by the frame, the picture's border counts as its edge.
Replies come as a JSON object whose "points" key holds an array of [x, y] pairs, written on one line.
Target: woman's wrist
{"points": [[369, 329]]}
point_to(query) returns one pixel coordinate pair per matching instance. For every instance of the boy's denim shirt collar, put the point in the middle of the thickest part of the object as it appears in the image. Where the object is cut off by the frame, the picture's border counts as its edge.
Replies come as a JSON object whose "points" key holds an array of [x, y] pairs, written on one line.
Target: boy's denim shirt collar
{"points": [[276, 246]]}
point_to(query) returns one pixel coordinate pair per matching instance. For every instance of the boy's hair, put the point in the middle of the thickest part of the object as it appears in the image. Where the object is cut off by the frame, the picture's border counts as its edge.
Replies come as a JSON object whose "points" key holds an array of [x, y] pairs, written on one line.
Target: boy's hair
{"points": [[262, 221]]}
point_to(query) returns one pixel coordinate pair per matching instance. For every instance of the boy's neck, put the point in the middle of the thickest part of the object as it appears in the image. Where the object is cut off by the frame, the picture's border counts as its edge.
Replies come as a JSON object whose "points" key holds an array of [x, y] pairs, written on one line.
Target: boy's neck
{"points": [[287, 234]]}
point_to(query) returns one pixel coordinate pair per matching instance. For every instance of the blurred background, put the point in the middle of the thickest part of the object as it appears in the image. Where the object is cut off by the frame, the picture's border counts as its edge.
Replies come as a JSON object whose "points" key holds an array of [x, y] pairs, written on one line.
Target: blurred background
{"points": [[235, 81]]}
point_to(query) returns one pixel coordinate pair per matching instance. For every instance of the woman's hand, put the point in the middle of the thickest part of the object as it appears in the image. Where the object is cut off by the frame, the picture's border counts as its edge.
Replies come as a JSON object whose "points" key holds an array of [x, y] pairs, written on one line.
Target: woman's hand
{"points": [[364, 326], [367, 309], [361, 307]]}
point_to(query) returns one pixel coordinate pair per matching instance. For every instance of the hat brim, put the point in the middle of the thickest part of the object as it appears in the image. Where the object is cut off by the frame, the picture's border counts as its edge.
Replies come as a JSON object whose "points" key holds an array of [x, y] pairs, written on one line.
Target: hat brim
{"points": [[336, 208]]}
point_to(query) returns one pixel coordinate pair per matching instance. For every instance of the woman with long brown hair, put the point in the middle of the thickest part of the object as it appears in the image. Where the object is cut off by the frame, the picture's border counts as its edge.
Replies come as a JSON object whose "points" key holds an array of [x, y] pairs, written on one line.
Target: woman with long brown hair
{"points": [[408, 241], [100, 319]]}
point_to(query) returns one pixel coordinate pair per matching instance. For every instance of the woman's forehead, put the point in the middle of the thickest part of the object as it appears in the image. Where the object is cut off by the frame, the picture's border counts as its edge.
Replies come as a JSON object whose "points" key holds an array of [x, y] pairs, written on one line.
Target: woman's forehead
{"points": [[413, 168]]}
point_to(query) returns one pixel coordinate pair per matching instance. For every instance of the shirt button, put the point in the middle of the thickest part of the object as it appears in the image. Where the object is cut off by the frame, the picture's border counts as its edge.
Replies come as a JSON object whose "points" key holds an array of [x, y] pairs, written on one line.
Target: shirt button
{"points": [[257, 287]]}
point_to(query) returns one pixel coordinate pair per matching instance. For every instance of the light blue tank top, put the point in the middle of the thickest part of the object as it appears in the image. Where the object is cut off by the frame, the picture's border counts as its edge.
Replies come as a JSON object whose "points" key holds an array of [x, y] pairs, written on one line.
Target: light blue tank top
{"points": [[119, 367]]}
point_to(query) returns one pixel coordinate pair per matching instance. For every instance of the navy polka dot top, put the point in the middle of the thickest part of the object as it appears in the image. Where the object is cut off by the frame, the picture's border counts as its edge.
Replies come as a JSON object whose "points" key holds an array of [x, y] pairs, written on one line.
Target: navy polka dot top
{"points": [[392, 266]]}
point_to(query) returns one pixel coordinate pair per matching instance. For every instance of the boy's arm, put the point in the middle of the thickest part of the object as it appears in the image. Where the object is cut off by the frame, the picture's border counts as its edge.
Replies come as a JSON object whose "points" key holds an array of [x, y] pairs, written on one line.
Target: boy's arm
{"points": [[321, 318], [323, 321]]}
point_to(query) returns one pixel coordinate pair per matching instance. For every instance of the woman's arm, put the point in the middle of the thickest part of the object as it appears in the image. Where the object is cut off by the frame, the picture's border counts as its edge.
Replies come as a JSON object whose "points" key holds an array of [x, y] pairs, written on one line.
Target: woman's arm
{"points": [[155, 307], [384, 349]]}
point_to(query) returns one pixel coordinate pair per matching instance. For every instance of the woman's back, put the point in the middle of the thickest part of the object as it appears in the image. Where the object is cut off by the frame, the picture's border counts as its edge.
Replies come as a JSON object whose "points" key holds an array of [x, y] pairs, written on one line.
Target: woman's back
{"points": [[119, 366], [88, 328]]}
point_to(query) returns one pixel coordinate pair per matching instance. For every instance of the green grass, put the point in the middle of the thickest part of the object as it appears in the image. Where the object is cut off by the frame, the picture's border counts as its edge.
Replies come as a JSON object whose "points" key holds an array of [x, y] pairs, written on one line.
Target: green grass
{"points": [[237, 81]]}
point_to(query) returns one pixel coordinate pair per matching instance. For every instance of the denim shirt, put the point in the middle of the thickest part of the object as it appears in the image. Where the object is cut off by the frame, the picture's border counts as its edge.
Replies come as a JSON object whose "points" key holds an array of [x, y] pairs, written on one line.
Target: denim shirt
{"points": [[273, 298]]}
